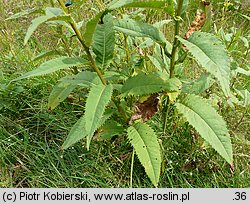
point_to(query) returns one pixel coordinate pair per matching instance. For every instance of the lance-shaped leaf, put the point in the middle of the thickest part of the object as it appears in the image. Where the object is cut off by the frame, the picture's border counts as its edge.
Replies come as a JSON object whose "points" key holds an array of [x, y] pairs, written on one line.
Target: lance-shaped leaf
{"points": [[67, 84], [97, 100], [167, 6], [90, 29], [210, 53], [52, 14], [76, 133], [147, 148], [54, 65], [79, 132], [59, 92], [147, 84], [139, 29], [34, 24], [104, 42], [208, 123]]}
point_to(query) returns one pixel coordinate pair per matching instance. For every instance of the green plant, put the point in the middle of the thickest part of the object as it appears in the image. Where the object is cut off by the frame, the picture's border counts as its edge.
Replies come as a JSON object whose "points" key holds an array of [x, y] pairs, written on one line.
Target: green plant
{"points": [[131, 72], [238, 47]]}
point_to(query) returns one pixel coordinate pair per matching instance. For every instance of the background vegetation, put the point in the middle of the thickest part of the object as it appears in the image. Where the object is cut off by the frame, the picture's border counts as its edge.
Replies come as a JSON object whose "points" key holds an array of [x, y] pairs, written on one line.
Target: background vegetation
{"points": [[31, 136]]}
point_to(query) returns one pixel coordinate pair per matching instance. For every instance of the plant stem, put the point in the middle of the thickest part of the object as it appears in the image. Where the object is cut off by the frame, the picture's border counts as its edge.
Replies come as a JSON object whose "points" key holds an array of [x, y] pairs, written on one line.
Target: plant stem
{"points": [[86, 48], [173, 55], [63, 6], [175, 43]]}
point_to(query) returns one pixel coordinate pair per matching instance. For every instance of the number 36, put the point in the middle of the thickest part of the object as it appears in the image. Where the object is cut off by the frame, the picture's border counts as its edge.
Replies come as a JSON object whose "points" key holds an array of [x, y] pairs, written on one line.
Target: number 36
{"points": [[240, 196]]}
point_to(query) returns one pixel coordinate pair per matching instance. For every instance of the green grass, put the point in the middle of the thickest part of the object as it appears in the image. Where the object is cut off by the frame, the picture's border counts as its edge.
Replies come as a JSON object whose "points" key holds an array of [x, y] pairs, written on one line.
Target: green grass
{"points": [[31, 136]]}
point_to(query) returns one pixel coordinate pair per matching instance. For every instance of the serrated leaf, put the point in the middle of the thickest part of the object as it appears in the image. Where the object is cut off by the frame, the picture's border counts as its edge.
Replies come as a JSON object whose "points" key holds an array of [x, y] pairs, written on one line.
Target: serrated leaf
{"points": [[147, 148], [67, 84], [90, 29], [139, 29], [211, 55], [76, 133], [59, 92], [34, 24], [51, 16], [147, 84], [104, 42], [208, 123], [85, 79], [167, 6], [54, 65], [97, 100]]}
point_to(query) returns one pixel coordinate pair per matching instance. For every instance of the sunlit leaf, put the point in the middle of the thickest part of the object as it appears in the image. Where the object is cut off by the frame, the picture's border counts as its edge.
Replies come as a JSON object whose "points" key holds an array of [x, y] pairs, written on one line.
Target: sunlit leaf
{"points": [[208, 123], [147, 148], [54, 65]]}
